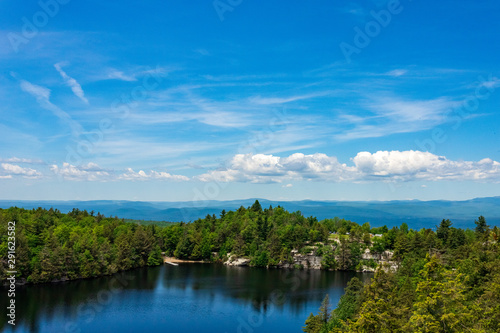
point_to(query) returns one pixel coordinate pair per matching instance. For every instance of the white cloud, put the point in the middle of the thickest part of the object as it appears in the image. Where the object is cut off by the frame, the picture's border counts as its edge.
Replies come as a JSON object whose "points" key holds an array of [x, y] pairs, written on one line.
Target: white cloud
{"points": [[10, 170], [40, 93], [491, 83], [130, 174], [281, 100], [93, 172], [88, 172], [382, 165], [42, 96], [262, 168], [134, 74], [390, 115], [397, 72], [72, 83], [119, 75], [21, 160], [417, 165]]}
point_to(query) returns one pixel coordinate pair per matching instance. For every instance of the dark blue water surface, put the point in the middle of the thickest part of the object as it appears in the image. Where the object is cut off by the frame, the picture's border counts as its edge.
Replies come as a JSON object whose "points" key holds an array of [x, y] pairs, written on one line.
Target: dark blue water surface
{"points": [[186, 298]]}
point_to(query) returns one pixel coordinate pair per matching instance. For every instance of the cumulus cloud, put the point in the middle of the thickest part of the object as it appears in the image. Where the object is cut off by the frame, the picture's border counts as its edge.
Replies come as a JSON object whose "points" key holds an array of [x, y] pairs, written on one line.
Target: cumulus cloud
{"points": [[72, 83], [417, 165], [382, 165], [262, 168], [93, 172], [130, 174], [89, 172], [10, 170]]}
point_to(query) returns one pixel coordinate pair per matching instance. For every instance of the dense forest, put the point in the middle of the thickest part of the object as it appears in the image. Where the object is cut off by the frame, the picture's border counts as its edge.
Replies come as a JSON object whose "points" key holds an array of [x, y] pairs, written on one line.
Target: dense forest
{"points": [[52, 246], [442, 280], [446, 281]]}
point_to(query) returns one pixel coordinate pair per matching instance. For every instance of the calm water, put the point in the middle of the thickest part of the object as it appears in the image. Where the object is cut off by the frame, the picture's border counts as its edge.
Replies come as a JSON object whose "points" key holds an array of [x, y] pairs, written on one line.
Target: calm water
{"points": [[187, 298]]}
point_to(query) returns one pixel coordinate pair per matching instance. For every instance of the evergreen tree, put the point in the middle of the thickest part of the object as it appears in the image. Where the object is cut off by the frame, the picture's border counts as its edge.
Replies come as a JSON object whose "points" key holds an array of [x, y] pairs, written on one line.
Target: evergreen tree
{"points": [[481, 226], [324, 310]]}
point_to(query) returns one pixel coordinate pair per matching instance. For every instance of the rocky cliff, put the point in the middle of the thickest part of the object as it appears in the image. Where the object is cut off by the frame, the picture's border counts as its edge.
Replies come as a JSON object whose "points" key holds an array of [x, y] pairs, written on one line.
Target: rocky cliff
{"points": [[312, 261]]}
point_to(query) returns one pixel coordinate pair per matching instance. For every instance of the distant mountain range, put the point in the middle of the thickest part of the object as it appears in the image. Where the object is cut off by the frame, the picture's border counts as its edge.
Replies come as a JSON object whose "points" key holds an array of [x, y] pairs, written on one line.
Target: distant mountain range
{"points": [[416, 214]]}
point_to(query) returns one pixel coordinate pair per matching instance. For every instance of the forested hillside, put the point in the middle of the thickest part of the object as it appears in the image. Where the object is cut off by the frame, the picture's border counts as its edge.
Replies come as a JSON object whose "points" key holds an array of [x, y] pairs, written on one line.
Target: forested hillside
{"points": [[447, 281], [52, 246]]}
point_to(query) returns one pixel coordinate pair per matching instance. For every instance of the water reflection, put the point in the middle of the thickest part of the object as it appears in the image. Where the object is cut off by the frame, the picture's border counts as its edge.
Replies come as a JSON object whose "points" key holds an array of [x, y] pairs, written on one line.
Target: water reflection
{"points": [[256, 285], [176, 290]]}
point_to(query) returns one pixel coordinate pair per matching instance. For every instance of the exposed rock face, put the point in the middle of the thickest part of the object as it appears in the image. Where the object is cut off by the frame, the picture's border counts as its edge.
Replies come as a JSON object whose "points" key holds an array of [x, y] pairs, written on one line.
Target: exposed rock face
{"points": [[384, 260], [234, 261], [312, 261], [384, 256], [307, 261]]}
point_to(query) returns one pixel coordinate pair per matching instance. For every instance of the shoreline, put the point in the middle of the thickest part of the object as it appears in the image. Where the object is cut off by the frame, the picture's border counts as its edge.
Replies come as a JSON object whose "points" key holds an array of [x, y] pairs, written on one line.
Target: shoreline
{"points": [[183, 261]]}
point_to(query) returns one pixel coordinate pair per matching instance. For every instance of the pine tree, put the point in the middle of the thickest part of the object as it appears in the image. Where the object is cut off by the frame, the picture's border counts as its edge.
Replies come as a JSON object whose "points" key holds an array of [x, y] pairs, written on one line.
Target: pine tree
{"points": [[324, 310], [481, 226]]}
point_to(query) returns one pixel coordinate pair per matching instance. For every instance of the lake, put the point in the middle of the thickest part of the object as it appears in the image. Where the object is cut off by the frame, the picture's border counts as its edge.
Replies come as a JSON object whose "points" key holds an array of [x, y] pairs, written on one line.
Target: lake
{"points": [[186, 298]]}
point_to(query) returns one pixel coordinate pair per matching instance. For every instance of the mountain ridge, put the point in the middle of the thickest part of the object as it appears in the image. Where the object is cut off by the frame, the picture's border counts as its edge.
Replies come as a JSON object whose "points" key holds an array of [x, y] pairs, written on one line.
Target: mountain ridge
{"points": [[415, 213]]}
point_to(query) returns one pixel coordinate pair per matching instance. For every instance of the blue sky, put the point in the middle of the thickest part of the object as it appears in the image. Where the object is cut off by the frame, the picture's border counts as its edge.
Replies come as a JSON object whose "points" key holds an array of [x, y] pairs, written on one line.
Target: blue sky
{"points": [[325, 100]]}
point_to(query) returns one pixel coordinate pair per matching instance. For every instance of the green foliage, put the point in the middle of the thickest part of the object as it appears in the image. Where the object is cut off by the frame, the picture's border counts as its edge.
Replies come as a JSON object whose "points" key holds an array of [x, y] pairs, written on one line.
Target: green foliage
{"points": [[349, 303], [313, 324], [343, 253], [261, 259], [150, 222], [324, 310], [52, 246], [265, 236], [446, 281], [481, 226], [317, 323], [328, 261]]}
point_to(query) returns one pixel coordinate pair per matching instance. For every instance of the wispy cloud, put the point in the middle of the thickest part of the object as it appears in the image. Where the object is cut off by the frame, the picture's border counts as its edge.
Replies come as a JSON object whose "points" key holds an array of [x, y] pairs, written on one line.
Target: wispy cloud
{"points": [[119, 75], [72, 83], [389, 115], [126, 151], [135, 73], [281, 100], [491, 83], [397, 72], [42, 96], [22, 160]]}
